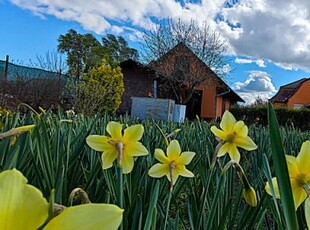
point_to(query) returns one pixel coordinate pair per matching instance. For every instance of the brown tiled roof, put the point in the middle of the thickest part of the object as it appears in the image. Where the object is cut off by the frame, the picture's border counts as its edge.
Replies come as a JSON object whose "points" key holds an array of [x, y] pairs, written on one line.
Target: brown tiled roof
{"points": [[286, 91]]}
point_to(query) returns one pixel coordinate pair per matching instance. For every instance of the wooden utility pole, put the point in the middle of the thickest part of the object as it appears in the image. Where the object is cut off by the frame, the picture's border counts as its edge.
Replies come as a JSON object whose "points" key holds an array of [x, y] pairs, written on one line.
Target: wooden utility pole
{"points": [[6, 68]]}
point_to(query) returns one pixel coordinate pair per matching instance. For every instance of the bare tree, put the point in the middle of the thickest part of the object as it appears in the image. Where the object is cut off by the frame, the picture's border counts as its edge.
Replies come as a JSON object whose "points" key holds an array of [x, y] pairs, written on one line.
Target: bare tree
{"points": [[185, 72], [52, 61]]}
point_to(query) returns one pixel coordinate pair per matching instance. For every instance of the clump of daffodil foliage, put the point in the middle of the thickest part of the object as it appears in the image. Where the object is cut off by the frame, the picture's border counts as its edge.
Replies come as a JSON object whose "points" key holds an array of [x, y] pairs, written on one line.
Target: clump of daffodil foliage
{"points": [[122, 162]]}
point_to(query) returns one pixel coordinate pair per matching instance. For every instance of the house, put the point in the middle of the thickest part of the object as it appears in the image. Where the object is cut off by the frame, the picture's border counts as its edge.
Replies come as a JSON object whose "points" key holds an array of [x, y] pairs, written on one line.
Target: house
{"points": [[293, 95], [139, 81], [209, 99]]}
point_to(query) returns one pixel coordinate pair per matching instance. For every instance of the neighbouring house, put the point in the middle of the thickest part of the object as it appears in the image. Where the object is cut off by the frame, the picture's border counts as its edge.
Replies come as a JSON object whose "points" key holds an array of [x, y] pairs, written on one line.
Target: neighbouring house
{"points": [[294, 95], [210, 98]]}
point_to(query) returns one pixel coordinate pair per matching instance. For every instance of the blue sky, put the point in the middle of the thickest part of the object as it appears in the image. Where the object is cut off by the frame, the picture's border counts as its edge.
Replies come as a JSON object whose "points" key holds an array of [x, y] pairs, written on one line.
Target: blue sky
{"points": [[269, 40]]}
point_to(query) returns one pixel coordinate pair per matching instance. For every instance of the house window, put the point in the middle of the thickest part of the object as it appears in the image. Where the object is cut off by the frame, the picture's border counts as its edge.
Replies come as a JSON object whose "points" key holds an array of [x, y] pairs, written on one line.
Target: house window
{"points": [[298, 106]]}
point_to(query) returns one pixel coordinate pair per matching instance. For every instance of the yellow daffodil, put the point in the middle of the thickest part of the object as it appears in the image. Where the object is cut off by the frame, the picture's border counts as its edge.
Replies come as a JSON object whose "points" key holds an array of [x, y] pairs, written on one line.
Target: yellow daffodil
{"points": [[22, 206], [249, 195], [172, 165], [233, 134], [299, 173], [111, 146]]}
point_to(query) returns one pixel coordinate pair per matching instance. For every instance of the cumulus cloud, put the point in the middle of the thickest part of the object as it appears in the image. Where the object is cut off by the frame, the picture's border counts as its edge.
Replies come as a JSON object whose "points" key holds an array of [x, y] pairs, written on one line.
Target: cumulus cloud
{"points": [[261, 29], [259, 62], [258, 84]]}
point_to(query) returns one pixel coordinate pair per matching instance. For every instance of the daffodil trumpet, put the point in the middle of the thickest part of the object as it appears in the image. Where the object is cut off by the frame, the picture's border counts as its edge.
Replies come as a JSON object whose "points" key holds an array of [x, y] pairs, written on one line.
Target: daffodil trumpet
{"points": [[248, 192]]}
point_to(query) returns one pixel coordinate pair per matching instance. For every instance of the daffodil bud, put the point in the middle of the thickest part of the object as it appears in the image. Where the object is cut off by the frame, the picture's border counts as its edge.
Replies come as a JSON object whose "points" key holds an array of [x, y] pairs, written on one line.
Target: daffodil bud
{"points": [[249, 195], [16, 131]]}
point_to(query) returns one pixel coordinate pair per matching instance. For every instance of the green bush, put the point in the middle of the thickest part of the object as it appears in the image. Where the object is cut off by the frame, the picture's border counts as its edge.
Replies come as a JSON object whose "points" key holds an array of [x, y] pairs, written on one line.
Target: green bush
{"points": [[297, 118], [100, 91]]}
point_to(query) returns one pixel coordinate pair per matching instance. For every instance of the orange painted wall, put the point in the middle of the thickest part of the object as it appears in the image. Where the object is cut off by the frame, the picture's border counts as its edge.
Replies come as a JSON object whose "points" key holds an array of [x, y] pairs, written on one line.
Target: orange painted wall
{"points": [[302, 96], [208, 101], [279, 104], [219, 106]]}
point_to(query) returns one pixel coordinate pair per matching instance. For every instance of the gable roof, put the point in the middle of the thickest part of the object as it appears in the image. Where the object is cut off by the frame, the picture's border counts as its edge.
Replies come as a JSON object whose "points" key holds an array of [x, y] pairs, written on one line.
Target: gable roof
{"points": [[288, 90], [226, 89]]}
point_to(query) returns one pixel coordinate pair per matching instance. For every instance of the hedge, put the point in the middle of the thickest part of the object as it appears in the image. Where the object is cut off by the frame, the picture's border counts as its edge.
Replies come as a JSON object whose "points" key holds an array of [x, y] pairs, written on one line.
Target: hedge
{"points": [[297, 118]]}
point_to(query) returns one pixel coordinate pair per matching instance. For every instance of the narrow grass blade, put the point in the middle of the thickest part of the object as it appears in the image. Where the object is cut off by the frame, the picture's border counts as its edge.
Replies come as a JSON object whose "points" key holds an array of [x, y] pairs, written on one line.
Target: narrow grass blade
{"points": [[281, 171]]}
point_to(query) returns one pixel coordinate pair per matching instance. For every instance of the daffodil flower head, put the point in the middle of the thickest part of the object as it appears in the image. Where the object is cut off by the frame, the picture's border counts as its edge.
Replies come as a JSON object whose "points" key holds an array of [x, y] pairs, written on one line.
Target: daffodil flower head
{"points": [[123, 146], [232, 134], [23, 207], [299, 173], [173, 164], [249, 195]]}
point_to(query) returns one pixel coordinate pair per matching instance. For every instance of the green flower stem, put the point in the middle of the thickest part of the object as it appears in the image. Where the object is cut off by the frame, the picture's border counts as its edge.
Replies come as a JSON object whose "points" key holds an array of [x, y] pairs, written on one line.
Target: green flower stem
{"points": [[214, 157], [167, 210], [120, 177], [307, 189]]}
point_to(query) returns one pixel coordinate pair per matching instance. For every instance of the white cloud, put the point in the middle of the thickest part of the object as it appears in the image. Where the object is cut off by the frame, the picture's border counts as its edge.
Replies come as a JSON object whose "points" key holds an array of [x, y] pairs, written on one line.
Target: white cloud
{"points": [[261, 29], [258, 84], [258, 62]]}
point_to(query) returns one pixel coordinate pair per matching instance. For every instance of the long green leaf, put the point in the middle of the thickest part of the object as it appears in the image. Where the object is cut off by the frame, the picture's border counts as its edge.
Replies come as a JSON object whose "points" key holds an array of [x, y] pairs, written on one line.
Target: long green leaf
{"points": [[281, 170]]}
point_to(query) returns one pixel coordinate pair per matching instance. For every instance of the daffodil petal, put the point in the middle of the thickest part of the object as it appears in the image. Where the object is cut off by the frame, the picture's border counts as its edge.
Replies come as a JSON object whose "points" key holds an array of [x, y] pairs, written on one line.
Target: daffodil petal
{"points": [[228, 122], [173, 150], [307, 212], [160, 156], [183, 171], [299, 193], [133, 133], [292, 165], [241, 129], [186, 158], [127, 163], [218, 133], [97, 142], [158, 170], [234, 153], [115, 130], [224, 149], [108, 157], [245, 142], [135, 149], [275, 187], [88, 216], [22, 206], [303, 158]]}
